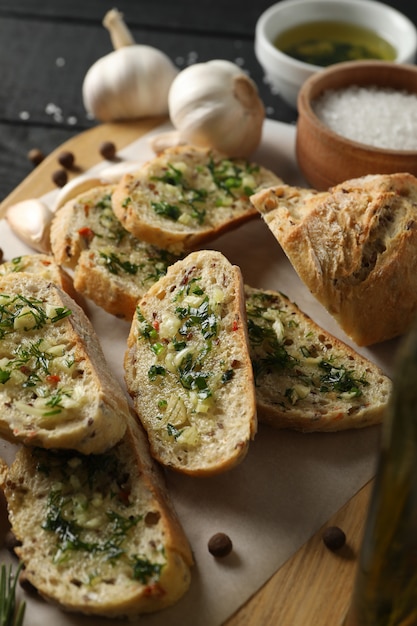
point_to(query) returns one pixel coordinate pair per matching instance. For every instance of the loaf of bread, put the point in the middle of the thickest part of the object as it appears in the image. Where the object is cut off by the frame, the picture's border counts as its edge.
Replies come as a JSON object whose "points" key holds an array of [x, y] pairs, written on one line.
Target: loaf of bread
{"points": [[97, 533], [42, 265], [355, 248], [111, 267], [305, 378], [187, 196], [188, 369], [56, 388]]}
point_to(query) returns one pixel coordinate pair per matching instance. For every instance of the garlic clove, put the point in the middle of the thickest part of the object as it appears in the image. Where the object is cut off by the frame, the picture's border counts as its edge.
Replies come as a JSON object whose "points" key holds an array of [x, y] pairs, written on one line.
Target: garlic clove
{"points": [[73, 188], [31, 220], [161, 142], [114, 173]]}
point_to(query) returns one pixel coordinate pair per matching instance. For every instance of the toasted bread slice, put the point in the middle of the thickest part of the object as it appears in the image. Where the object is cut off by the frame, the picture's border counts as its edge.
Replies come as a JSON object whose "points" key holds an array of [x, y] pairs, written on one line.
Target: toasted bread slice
{"points": [[97, 533], [187, 366], [42, 265], [56, 388], [355, 248], [305, 378], [187, 196], [111, 267]]}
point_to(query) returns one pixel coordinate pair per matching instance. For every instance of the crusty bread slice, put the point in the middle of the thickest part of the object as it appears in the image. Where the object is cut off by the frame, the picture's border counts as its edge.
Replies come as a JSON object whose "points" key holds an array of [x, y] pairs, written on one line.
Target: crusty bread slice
{"points": [[111, 267], [188, 369], [56, 389], [305, 378], [97, 533], [42, 265], [187, 196], [355, 248]]}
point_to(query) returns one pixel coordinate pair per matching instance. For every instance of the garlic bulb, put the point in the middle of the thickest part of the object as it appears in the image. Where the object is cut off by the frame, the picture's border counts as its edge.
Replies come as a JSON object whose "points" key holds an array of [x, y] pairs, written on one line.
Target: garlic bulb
{"points": [[215, 104], [31, 220], [131, 82]]}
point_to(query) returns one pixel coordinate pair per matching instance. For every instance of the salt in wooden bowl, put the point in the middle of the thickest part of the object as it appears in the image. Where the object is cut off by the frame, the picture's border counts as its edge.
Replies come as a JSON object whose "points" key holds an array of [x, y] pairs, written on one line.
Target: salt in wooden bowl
{"points": [[388, 90]]}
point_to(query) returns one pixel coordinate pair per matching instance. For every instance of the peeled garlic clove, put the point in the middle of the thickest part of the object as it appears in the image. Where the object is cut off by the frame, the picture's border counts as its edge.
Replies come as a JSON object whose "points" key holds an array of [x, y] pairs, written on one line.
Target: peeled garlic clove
{"points": [[31, 220], [161, 142], [114, 173], [73, 188]]}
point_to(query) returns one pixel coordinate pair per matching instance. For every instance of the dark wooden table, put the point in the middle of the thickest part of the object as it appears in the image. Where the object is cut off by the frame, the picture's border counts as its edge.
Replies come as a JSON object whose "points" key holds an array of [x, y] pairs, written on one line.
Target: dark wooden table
{"points": [[46, 48]]}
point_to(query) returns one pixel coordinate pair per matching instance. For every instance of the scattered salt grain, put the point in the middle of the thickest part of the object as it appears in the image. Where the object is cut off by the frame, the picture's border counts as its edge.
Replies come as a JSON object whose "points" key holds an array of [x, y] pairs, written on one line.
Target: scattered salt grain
{"points": [[24, 115], [375, 116]]}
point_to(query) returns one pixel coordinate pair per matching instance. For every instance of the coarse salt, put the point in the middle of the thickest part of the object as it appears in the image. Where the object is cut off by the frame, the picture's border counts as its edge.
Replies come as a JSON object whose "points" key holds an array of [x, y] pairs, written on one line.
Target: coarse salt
{"points": [[375, 116]]}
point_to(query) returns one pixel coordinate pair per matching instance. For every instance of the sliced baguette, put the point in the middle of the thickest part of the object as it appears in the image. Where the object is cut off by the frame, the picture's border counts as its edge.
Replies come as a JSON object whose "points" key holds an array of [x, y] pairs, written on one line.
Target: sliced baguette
{"points": [[42, 265], [187, 196], [305, 378], [355, 248], [187, 366], [56, 389], [111, 267], [97, 533]]}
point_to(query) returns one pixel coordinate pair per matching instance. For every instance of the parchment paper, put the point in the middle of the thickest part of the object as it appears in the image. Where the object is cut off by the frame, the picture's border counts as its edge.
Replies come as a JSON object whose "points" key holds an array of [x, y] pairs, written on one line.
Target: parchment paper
{"points": [[288, 485]]}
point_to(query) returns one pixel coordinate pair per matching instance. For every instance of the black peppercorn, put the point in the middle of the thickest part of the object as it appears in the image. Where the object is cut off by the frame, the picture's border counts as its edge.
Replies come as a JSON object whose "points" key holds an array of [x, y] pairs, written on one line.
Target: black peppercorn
{"points": [[66, 159], [108, 150], [36, 156], [334, 538], [60, 177], [220, 545]]}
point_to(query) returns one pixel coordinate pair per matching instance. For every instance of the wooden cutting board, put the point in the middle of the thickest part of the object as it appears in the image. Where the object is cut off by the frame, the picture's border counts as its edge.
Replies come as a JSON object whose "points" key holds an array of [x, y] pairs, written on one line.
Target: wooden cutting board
{"points": [[315, 585]]}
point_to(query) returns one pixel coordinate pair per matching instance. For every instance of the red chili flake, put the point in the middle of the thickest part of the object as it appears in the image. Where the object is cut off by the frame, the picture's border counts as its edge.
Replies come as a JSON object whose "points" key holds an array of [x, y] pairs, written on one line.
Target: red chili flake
{"points": [[235, 325], [53, 378], [155, 324], [123, 496], [86, 233]]}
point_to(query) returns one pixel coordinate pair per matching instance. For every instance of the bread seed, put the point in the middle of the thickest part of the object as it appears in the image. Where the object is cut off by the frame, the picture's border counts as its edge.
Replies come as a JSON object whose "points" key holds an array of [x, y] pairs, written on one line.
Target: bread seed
{"points": [[220, 545], [334, 538]]}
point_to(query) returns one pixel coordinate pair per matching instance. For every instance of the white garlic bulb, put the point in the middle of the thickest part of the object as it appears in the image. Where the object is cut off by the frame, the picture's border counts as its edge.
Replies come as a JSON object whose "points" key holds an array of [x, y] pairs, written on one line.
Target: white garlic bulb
{"points": [[131, 82], [215, 104], [31, 220]]}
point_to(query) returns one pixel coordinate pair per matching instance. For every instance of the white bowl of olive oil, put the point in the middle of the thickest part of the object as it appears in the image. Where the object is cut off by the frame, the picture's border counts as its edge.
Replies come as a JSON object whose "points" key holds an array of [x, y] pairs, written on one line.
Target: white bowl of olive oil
{"points": [[296, 38]]}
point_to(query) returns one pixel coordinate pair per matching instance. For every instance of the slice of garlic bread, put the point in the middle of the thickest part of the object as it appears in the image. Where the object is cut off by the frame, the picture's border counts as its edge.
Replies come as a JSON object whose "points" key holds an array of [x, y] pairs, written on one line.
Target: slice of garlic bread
{"points": [[187, 196], [187, 366], [305, 378], [111, 266], [56, 389], [97, 534]]}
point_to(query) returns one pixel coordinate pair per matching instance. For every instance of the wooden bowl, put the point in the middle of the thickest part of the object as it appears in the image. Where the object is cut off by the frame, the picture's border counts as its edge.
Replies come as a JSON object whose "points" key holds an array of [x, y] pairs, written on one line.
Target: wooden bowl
{"points": [[327, 158]]}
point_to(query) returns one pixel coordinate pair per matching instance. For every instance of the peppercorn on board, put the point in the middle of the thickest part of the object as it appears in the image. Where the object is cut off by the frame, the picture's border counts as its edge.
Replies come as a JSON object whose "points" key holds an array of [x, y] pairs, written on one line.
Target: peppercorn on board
{"points": [[289, 484]]}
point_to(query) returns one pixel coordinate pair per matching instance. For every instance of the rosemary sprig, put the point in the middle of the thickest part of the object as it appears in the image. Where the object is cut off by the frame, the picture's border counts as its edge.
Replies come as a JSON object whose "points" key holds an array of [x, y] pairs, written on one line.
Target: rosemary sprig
{"points": [[11, 613]]}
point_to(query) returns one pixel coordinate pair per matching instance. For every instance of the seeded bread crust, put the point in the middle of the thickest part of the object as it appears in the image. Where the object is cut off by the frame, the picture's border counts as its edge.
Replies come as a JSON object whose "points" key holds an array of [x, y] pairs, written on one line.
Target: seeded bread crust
{"points": [[355, 247], [57, 390], [115, 505], [305, 378], [111, 267], [188, 369], [188, 196]]}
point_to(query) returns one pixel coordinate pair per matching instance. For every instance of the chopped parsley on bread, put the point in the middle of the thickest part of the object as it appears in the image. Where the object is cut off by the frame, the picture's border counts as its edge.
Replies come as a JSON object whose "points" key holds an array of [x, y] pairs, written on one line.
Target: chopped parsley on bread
{"points": [[305, 378], [56, 390], [97, 534], [111, 266], [188, 196], [188, 369]]}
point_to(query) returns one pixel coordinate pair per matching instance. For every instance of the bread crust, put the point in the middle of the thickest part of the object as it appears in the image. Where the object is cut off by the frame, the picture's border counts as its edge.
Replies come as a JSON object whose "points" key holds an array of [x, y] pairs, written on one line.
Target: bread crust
{"points": [[57, 390], [188, 369], [305, 378], [188, 196], [355, 247], [115, 504]]}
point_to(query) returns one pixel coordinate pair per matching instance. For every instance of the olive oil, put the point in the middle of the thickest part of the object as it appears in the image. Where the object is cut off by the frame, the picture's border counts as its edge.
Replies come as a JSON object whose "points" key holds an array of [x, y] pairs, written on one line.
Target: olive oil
{"points": [[325, 42]]}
